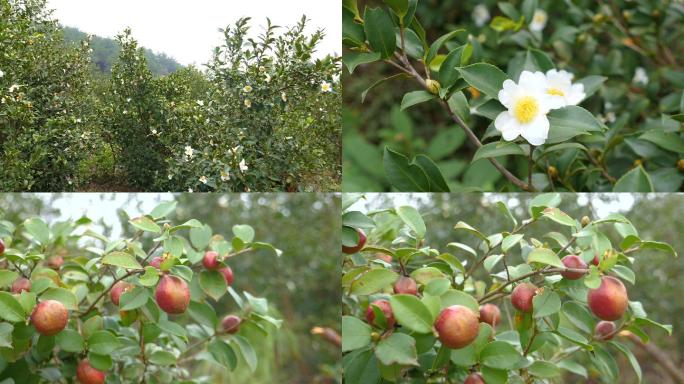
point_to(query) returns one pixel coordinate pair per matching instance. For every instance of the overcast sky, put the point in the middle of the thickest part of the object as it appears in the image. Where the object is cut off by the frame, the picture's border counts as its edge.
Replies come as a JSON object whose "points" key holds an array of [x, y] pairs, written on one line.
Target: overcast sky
{"points": [[188, 30]]}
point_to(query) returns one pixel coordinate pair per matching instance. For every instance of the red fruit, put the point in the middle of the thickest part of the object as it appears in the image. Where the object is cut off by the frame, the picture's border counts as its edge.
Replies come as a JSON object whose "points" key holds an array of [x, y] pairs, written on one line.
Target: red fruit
{"points": [[573, 262], [2, 247], [118, 289], [474, 378], [358, 246], [55, 262], [49, 317], [86, 374], [231, 324], [210, 260], [406, 285], [227, 274], [490, 314], [609, 301], [457, 326], [385, 307], [21, 284], [522, 296], [156, 262], [172, 294], [604, 330], [595, 261]]}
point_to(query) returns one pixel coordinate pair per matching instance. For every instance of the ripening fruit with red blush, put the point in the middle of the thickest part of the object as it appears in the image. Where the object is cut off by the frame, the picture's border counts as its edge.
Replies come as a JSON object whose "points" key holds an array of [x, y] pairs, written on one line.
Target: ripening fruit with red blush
{"points": [[2, 247], [385, 307], [595, 260], [457, 326], [573, 262], [406, 285], [210, 260], [231, 324], [21, 284], [227, 274], [172, 294], [358, 246], [86, 374], [55, 262], [49, 317], [609, 301], [118, 289], [522, 296], [604, 330], [490, 314], [156, 262], [474, 378]]}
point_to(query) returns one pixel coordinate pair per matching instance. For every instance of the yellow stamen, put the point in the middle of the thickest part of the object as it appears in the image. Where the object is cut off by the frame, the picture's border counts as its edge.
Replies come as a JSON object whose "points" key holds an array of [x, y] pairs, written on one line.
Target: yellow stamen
{"points": [[555, 91], [526, 109]]}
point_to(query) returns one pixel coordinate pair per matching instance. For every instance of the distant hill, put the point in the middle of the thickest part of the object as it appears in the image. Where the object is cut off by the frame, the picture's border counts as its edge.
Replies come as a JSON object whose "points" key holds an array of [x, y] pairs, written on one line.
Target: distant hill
{"points": [[106, 51]]}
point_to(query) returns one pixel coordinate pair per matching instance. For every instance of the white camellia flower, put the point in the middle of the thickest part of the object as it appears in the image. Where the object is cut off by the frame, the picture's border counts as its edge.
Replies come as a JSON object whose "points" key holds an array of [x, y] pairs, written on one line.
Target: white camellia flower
{"points": [[189, 152], [326, 87], [203, 179], [200, 103], [225, 175], [170, 177], [561, 90], [2, 74], [262, 69], [283, 96], [268, 78], [248, 103], [128, 100], [247, 89], [154, 131], [481, 15], [539, 20], [640, 76], [190, 190], [243, 165], [527, 104], [13, 88]]}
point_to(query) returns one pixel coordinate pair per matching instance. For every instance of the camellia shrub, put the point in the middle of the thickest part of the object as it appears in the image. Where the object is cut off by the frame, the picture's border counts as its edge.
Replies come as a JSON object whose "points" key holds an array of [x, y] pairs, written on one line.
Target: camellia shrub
{"points": [[513, 309], [76, 303], [586, 96]]}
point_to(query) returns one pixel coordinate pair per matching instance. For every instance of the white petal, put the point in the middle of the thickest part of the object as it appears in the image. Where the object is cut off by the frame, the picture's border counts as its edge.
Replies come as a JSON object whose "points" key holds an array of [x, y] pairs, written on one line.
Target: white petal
{"points": [[507, 125], [532, 80], [536, 131], [576, 94], [552, 102], [507, 93]]}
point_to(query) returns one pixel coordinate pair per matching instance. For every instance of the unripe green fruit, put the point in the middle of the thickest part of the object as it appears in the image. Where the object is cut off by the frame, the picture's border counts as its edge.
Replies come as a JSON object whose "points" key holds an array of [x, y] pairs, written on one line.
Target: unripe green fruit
{"points": [[474, 378], [490, 314], [609, 301], [522, 296], [231, 324], [117, 290], [385, 307], [21, 284], [86, 374], [172, 294], [573, 262], [358, 246], [210, 260], [49, 317], [457, 326], [406, 285], [604, 330]]}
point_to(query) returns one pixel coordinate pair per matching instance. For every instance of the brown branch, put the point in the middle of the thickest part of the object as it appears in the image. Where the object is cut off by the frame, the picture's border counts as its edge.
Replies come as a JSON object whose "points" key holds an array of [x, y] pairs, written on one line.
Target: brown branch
{"points": [[659, 355], [328, 334]]}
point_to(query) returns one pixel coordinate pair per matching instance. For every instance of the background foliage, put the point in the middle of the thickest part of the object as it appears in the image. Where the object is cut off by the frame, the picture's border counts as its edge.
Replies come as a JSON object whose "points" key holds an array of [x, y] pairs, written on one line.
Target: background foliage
{"points": [[615, 39]]}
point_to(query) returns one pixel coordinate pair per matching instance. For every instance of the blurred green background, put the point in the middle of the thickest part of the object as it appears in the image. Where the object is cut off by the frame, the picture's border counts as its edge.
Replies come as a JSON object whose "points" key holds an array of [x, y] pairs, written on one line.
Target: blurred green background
{"points": [[657, 217], [302, 285]]}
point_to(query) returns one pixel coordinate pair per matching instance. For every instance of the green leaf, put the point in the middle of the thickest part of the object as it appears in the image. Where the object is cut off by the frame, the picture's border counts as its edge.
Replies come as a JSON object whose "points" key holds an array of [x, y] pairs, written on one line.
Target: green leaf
{"points": [[657, 245], [172, 328], [203, 313], [573, 367], [174, 245], [543, 369], [636, 180], [411, 217], [437, 44], [485, 77], [6, 335], [150, 277], [399, 348], [144, 223], [630, 357], [356, 219], [559, 217], [500, 354], [509, 241], [411, 313], [354, 59], [455, 297], [244, 232], [134, 298], [200, 237], [591, 84], [62, 295], [213, 283], [7, 277], [70, 341], [546, 303], [400, 7], [38, 229], [545, 256], [459, 105], [223, 353], [579, 316], [416, 97], [380, 31], [568, 122], [10, 309], [498, 148], [355, 333], [435, 178], [121, 259], [163, 209], [101, 362], [163, 358], [671, 141], [248, 353], [373, 281], [103, 343], [403, 176]]}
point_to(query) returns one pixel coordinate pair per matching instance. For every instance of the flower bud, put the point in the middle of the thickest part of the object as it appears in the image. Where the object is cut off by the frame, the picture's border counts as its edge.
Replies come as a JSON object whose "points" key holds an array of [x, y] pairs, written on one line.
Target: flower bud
{"points": [[433, 86]]}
